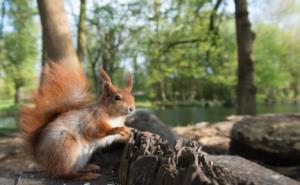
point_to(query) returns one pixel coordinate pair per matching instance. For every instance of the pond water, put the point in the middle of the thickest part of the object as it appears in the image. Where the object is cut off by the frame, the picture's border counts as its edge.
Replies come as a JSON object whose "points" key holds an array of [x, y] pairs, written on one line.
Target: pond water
{"points": [[177, 116]]}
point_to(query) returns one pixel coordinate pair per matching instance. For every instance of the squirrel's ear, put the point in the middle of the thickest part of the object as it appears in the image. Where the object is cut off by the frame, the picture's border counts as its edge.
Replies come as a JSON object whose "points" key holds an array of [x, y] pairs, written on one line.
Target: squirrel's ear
{"points": [[107, 88], [104, 75], [129, 82]]}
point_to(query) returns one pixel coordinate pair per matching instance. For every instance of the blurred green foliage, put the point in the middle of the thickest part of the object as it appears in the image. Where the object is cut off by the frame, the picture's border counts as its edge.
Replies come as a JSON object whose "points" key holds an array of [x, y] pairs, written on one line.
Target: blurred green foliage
{"points": [[173, 49], [18, 49]]}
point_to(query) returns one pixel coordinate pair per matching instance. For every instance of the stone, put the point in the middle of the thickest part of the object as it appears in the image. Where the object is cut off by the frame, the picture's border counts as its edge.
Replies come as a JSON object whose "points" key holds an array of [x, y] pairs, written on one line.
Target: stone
{"points": [[145, 121]]}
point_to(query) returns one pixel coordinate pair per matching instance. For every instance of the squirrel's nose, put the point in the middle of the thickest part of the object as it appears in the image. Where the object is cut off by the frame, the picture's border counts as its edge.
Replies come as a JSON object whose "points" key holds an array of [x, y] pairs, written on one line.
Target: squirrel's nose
{"points": [[130, 109]]}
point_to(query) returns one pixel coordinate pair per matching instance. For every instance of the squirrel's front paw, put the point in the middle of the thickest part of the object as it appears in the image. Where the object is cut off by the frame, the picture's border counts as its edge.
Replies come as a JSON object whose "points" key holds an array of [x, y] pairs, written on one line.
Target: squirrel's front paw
{"points": [[124, 132]]}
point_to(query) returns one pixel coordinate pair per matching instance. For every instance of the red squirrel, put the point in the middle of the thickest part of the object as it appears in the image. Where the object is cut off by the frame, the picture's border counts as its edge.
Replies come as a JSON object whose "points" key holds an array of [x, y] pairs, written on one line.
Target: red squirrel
{"points": [[64, 127]]}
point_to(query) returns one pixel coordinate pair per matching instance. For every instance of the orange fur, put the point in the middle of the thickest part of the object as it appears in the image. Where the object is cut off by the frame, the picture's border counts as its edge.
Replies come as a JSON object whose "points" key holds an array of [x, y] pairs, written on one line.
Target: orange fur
{"points": [[63, 127], [63, 89]]}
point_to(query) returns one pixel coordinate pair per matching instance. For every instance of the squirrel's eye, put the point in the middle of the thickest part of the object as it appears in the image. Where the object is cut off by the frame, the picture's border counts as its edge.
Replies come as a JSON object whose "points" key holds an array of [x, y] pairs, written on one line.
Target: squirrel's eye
{"points": [[117, 97]]}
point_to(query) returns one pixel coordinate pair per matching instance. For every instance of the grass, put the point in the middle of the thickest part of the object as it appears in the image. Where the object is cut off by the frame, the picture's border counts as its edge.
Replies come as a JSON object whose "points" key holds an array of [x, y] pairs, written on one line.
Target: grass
{"points": [[144, 104], [5, 104], [7, 108], [6, 131]]}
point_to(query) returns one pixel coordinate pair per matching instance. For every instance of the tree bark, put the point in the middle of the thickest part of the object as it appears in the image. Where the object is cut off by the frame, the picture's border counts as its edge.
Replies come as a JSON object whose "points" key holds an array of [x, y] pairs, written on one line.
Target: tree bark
{"points": [[17, 93], [295, 89], [57, 39], [246, 90], [81, 37], [97, 80], [162, 93], [161, 83], [147, 159]]}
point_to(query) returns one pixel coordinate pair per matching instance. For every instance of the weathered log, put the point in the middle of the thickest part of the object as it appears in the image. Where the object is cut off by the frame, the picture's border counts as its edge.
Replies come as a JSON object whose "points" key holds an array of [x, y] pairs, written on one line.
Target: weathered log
{"points": [[273, 139], [214, 138], [250, 172], [149, 160], [38, 178]]}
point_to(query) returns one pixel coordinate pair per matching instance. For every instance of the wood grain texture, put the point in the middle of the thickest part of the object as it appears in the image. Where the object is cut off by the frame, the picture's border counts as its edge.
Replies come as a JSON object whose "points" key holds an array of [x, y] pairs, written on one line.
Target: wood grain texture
{"points": [[149, 160]]}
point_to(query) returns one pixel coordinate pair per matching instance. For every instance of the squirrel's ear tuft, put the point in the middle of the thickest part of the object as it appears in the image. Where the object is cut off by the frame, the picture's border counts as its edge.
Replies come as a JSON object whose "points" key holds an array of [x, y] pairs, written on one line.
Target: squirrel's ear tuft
{"points": [[107, 87], [104, 75], [129, 82]]}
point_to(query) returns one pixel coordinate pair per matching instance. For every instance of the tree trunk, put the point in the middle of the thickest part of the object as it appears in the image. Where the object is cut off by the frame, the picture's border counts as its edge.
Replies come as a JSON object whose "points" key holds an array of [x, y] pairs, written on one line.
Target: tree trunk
{"points": [[57, 39], [93, 57], [135, 72], [44, 55], [163, 96], [97, 81], [295, 90], [162, 93], [81, 38], [246, 89], [17, 93]]}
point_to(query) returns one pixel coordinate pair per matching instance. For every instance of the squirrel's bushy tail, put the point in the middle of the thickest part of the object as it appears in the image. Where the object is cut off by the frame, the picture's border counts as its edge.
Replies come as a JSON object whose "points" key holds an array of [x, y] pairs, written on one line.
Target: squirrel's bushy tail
{"points": [[62, 89]]}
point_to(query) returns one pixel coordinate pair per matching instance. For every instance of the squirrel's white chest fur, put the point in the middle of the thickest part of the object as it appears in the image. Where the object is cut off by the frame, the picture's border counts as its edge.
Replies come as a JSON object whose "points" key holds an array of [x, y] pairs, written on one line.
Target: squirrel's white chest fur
{"points": [[116, 121], [88, 149]]}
